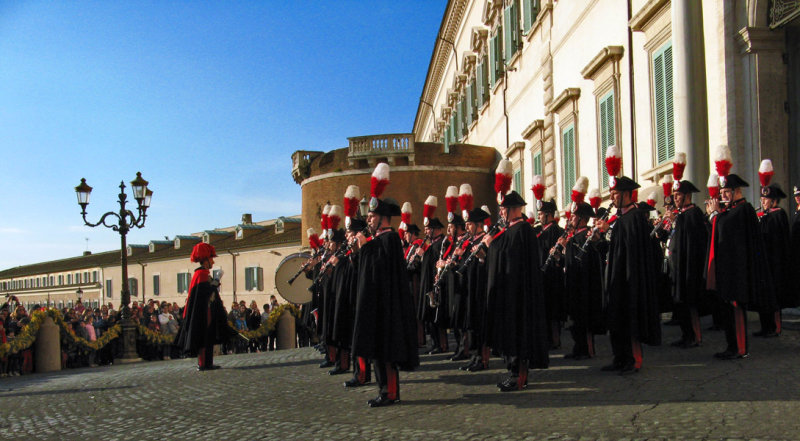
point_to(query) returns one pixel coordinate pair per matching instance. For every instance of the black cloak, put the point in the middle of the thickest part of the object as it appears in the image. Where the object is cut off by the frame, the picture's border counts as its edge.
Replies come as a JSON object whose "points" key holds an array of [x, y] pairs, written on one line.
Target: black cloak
{"points": [[583, 283], [553, 277], [777, 240], [688, 245], [203, 300], [345, 308], [385, 328], [427, 276], [475, 288], [516, 321], [630, 294], [794, 276]]}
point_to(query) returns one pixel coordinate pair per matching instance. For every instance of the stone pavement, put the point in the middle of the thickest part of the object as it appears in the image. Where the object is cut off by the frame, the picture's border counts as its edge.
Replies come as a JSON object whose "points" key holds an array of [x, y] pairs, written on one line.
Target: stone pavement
{"points": [[680, 394]]}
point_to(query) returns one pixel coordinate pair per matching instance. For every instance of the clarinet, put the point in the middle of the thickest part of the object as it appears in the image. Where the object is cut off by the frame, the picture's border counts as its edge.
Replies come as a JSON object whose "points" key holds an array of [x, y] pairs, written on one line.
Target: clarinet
{"points": [[557, 251], [305, 265], [664, 224], [585, 247], [413, 258], [438, 284], [433, 298], [481, 248], [338, 255]]}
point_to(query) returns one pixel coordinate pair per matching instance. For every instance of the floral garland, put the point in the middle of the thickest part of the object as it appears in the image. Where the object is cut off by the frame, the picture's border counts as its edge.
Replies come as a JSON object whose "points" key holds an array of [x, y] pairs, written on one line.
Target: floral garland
{"points": [[153, 337], [272, 321], [27, 337]]}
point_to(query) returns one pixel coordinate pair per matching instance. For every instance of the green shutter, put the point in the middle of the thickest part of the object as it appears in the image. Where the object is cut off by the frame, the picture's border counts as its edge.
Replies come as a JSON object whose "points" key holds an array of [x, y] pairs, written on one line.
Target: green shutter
{"points": [[508, 29], [607, 132], [485, 81], [446, 140], [537, 163], [468, 114], [479, 84], [527, 15], [498, 59], [492, 60], [663, 103], [568, 146], [472, 104], [518, 181]]}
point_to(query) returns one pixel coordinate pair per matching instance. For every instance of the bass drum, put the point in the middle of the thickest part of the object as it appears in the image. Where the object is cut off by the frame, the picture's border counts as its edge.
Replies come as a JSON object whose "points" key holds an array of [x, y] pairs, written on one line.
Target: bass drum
{"points": [[292, 284]]}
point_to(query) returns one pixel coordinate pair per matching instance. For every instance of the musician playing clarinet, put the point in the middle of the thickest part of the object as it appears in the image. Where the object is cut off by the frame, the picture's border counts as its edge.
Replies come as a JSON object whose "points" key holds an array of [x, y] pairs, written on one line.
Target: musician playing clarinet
{"points": [[553, 277]]}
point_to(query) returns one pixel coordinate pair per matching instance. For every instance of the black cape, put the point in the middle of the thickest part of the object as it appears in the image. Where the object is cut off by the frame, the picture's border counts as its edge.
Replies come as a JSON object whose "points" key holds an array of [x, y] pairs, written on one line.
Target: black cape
{"points": [[384, 328], [553, 277], [345, 309], [738, 271], [516, 321], [777, 240], [795, 249], [583, 283], [196, 331], [427, 276], [475, 287], [630, 295], [688, 244]]}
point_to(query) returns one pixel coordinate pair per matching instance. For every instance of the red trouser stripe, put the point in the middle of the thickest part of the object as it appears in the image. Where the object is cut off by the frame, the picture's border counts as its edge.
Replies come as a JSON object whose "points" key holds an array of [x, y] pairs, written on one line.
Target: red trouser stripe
{"points": [[344, 360], [741, 338], [695, 317], [201, 357], [590, 343], [392, 383], [331, 354], [522, 380], [778, 321], [362, 370], [485, 352], [636, 349]]}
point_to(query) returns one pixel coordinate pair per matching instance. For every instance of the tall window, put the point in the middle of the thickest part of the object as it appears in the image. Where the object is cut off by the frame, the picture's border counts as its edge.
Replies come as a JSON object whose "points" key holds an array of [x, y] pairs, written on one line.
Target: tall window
{"points": [[472, 109], [459, 117], [518, 181], [253, 279], [156, 284], [94, 276], [495, 56], [133, 286], [109, 290], [511, 31], [662, 101], [530, 10], [568, 146], [464, 124], [183, 282], [537, 163], [608, 135]]}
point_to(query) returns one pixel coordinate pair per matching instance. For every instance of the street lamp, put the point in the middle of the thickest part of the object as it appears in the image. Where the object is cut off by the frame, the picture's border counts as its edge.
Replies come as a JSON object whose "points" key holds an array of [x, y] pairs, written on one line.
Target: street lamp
{"points": [[79, 293], [363, 207], [126, 220]]}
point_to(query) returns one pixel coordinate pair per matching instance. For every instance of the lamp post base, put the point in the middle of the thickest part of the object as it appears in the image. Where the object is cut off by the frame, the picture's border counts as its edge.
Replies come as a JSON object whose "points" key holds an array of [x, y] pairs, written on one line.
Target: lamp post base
{"points": [[129, 354]]}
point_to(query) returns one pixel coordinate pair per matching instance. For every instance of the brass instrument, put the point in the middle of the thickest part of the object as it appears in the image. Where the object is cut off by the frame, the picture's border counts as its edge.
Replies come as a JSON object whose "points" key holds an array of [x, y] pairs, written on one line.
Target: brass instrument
{"points": [[665, 224], [340, 253]]}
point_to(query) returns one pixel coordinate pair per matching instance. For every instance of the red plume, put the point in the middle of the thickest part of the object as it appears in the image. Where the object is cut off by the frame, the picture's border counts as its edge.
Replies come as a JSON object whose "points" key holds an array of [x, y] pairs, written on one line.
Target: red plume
{"points": [[538, 187], [678, 166], [502, 177], [465, 199], [713, 186], [429, 208], [595, 198], [635, 195], [379, 180], [666, 185], [765, 172], [613, 160], [579, 189], [451, 199], [723, 161], [651, 200], [350, 201]]}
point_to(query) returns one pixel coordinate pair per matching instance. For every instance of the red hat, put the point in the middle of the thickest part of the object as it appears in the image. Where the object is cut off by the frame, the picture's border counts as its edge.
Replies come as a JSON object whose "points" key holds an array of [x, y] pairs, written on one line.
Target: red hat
{"points": [[350, 203], [378, 182], [713, 185], [667, 183], [465, 199], [595, 198], [203, 251], [451, 201], [678, 166], [313, 239], [579, 189], [723, 161], [765, 172], [502, 179], [405, 218], [429, 208]]}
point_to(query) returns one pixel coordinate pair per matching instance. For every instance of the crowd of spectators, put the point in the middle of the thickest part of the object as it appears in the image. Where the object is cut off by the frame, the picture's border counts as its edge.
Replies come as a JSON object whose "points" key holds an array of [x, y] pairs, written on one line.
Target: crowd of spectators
{"points": [[91, 324]]}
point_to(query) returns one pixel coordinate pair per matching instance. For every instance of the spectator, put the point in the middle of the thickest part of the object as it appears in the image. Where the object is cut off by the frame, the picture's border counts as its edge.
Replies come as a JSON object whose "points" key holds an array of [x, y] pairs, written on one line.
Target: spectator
{"points": [[253, 323], [79, 308]]}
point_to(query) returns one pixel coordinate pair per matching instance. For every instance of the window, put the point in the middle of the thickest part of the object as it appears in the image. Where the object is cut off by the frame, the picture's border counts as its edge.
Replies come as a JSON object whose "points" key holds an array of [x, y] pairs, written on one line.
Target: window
{"points": [[94, 276], [86, 277], [253, 279], [537, 163], [77, 277], [662, 100], [53, 280], [457, 126], [239, 233], [495, 56], [133, 286], [156, 284], [472, 108], [530, 10], [446, 139], [109, 291], [61, 279], [568, 163], [608, 134], [482, 73], [279, 226], [69, 279], [511, 28], [518, 181], [183, 282], [453, 128], [464, 126]]}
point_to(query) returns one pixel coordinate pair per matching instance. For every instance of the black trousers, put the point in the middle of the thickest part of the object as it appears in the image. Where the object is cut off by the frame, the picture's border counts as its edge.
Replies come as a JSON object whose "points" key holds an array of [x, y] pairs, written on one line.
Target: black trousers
{"points": [[387, 377], [735, 325]]}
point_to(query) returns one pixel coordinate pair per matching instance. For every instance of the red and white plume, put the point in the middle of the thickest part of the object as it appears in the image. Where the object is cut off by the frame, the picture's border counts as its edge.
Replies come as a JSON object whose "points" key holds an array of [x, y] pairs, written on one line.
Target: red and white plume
{"points": [[465, 199], [451, 200], [350, 202], [595, 198], [429, 208], [323, 221], [538, 187], [765, 172], [651, 200], [502, 179], [313, 239], [378, 182], [678, 166], [666, 184], [613, 160], [713, 185], [723, 161], [334, 218], [488, 221], [531, 217], [405, 218], [579, 189]]}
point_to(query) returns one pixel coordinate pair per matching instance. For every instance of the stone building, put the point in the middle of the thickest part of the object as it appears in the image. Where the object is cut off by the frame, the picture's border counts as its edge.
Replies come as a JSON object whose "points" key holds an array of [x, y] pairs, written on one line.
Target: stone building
{"points": [[248, 254], [417, 170], [552, 83]]}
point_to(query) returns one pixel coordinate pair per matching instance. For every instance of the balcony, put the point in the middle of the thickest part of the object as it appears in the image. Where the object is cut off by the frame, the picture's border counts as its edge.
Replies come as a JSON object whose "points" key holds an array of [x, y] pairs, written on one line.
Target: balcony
{"points": [[376, 147]]}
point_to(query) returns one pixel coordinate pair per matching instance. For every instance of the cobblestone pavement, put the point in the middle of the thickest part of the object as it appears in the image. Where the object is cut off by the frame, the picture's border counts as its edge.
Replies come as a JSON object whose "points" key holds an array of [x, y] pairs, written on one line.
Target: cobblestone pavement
{"points": [[680, 394]]}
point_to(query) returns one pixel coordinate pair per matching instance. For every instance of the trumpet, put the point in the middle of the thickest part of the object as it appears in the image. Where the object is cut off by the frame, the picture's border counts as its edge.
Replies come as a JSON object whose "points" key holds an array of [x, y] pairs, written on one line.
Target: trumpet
{"points": [[481, 248], [557, 251], [305, 265]]}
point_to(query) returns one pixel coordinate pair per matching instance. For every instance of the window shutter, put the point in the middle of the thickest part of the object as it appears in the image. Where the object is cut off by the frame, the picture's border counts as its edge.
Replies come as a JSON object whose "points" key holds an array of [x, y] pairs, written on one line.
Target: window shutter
{"points": [[607, 132], [569, 163], [446, 140], [485, 81], [669, 113], [468, 114], [248, 279], [514, 15], [260, 276], [492, 61], [479, 76], [537, 163], [518, 181], [464, 118], [527, 15], [459, 117], [663, 102], [156, 285], [498, 59], [508, 30]]}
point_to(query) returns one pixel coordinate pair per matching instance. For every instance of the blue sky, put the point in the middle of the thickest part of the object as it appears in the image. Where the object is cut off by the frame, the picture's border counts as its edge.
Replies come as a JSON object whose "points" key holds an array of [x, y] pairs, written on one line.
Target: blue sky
{"points": [[207, 99]]}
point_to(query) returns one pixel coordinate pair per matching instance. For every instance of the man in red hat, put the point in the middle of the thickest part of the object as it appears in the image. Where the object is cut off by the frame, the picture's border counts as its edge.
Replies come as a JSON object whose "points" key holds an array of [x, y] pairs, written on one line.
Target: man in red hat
{"points": [[204, 320]]}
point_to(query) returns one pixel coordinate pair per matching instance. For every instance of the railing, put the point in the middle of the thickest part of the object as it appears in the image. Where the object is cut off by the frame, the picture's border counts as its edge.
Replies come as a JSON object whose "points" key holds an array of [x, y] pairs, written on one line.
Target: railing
{"points": [[391, 145]]}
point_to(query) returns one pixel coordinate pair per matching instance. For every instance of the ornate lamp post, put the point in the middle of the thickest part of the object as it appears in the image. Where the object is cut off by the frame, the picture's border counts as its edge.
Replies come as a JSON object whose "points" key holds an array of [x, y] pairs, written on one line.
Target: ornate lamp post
{"points": [[126, 220]]}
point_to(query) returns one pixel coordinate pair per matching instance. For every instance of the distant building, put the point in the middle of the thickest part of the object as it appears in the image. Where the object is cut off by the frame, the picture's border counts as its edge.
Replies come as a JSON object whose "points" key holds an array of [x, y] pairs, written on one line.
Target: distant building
{"points": [[248, 254]]}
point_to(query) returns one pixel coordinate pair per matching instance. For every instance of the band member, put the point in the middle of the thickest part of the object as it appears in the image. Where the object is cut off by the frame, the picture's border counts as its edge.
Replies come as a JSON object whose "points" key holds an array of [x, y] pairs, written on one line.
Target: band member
{"points": [[516, 320], [795, 253], [426, 312], [474, 283], [204, 320], [331, 282], [583, 283], [553, 277], [735, 264], [455, 291], [774, 225], [384, 331], [632, 314], [412, 264], [326, 298], [686, 230]]}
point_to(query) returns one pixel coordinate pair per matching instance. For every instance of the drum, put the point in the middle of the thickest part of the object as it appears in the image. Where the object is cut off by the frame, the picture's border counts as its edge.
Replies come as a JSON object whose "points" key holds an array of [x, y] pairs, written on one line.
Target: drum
{"points": [[290, 281]]}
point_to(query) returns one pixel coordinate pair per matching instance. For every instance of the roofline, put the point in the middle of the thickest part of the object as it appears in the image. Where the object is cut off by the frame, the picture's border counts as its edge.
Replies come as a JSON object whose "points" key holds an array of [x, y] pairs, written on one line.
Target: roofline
{"points": [[436, 46]]}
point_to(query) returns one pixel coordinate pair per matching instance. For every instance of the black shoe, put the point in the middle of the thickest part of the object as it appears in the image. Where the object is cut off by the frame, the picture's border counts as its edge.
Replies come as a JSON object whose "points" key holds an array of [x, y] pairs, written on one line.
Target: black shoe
{"points": [[760, 333], [352, 383], [207, 368], [509, 378], [435, 351], [611, 367], [338, 370], [381, 401], [730, 355], [511, 385], [459, 357], [678, 343], [581, 357], [477, 367], [628, 369], [468, 365], [689, 344], [765, 334], [326, 364]]}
